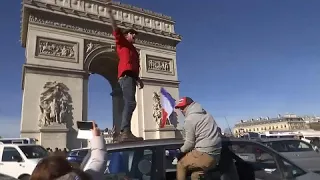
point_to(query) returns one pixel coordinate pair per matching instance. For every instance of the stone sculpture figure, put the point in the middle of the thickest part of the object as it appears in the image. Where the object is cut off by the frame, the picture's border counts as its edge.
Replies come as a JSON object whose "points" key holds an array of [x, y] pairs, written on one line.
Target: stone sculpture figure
{"points": [[55, 104], [157, 112]]}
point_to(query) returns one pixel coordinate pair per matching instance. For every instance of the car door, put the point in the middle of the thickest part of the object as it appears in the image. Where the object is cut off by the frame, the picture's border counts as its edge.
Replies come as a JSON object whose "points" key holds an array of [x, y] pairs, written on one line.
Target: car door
{"points": [[263, 160], [282, 147], [304, 155], [129, 163], [9, 163]]}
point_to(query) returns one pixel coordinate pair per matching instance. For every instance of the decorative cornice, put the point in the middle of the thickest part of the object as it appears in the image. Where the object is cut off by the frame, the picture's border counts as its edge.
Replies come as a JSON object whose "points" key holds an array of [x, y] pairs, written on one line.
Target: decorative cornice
{"points": [[29, 131], [53, 71], [58, 70], [80, 28], [97, 11], [160, 82], [134, 8]]}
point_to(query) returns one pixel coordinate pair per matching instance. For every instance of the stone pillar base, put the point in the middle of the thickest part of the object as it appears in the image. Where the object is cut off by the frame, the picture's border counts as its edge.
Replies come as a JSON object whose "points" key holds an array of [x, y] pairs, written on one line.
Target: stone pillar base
{"points": [[167, 132], [54, 136]]}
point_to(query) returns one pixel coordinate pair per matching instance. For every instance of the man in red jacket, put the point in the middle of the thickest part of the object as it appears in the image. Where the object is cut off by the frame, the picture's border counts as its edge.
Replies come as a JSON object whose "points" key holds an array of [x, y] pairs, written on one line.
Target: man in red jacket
{"points": [[128, 76]]}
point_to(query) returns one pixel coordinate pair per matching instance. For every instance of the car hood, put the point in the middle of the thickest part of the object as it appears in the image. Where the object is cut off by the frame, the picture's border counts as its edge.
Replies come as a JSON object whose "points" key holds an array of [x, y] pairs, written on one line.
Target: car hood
{"points": [[309, 175], [35, 161]]}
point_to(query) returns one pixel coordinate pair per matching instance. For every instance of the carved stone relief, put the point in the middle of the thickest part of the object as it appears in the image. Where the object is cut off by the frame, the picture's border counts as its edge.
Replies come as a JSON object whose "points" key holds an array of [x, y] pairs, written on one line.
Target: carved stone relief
{"points": [[55, 104], [159, 65], [57, 49], [92, 45], [157, 109]]}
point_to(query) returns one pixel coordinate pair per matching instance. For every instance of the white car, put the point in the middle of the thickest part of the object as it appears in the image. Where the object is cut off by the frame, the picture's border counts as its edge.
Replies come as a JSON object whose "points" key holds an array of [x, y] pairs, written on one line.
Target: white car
{"points": [[19, 160]]}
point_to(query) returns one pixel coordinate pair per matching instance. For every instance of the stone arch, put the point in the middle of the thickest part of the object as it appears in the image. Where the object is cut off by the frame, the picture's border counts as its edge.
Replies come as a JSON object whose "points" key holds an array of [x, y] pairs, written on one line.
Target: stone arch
{"points": [[103, 61], [66, 47]]}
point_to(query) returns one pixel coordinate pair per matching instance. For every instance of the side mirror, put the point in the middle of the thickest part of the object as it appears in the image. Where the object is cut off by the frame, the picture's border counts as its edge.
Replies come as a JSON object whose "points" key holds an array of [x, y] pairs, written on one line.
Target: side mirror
{"points": [[17, 158]]}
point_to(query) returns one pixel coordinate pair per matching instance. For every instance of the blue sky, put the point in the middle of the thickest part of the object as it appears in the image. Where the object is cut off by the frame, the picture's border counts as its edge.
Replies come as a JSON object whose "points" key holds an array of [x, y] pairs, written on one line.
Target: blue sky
{"points": [[239, 59]]}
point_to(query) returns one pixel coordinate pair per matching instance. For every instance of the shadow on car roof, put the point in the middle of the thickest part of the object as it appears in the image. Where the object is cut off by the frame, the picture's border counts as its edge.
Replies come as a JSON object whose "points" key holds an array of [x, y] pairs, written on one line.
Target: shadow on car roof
{"points": [[162, 142]]}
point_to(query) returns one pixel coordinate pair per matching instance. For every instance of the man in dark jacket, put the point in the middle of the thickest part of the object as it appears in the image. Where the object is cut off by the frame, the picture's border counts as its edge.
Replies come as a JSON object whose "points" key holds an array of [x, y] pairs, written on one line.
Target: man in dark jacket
{"points": [[128, 76], [202, 146]]}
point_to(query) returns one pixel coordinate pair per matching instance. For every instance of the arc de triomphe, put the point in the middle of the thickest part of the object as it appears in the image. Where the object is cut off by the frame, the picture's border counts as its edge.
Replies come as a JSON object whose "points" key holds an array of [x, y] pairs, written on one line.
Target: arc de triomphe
{"points": [[66, 41]]}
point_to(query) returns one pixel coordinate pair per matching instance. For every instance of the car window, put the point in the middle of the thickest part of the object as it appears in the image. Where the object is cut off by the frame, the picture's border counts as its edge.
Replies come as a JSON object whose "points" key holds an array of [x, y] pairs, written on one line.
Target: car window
{"points": [[83, 153], [34, 152], [290, 146], [73, 153], [291, 170], [9, 154], [134, 163], [171, 161], [277, 146], [262, 161]]}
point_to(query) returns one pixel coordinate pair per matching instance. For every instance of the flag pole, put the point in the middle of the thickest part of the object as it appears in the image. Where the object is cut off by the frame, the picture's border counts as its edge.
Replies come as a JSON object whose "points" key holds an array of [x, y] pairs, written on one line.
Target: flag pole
{"points": [[225, 118]]}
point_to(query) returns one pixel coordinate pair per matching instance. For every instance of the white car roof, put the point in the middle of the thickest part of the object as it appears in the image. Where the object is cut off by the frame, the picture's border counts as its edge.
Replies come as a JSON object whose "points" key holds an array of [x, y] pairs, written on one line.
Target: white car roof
{"points": [[17, 145]]}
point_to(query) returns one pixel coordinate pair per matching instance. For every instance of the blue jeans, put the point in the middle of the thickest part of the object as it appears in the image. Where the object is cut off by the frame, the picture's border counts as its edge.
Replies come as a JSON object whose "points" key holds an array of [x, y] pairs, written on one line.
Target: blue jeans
{"points": [[128, 87]]}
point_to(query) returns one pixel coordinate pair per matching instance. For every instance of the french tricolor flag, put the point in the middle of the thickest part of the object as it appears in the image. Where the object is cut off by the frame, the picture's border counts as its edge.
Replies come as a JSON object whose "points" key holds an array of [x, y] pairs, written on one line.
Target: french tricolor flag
{"points": [[167, 103]]}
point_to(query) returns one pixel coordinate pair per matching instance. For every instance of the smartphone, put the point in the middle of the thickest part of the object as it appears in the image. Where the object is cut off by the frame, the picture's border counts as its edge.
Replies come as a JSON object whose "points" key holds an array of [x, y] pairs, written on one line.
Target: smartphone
{"points": [[85, 125], [84, 129]]}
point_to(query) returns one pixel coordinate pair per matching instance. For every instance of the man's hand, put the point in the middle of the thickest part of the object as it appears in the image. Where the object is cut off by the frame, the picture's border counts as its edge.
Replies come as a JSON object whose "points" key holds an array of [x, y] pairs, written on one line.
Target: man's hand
{"points": [[180, 155], [140, 83], [109, 11], [95, 130]]}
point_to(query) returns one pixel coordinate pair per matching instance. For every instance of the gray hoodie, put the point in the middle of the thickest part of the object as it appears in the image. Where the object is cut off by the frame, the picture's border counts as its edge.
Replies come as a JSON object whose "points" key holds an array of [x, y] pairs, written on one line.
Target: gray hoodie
{"points": [[200, 130], [96, 164]]}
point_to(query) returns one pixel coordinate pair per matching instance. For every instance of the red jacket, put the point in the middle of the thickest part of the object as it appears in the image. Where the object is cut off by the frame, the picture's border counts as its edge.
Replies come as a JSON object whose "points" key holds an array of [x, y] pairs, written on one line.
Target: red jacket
{"points": [[127, 53]]}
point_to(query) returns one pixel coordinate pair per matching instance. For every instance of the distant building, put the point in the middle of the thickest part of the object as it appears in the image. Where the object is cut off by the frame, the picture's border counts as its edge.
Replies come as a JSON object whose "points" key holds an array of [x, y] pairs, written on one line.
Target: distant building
{"points": [[311, 119], [286, 122]]}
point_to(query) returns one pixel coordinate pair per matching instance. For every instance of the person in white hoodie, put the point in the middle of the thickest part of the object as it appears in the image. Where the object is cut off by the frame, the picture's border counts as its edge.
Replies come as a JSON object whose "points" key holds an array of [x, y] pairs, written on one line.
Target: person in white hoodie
{"points": [[58, 168]]}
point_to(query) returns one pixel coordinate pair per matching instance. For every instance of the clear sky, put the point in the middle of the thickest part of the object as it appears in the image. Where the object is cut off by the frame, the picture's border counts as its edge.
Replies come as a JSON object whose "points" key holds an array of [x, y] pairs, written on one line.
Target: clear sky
{"points": [[239, 59]]}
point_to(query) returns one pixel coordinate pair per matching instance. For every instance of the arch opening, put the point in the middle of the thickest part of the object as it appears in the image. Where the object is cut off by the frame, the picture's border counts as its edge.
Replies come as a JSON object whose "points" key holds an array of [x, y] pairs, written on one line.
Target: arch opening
{"points": [[104, 105]]}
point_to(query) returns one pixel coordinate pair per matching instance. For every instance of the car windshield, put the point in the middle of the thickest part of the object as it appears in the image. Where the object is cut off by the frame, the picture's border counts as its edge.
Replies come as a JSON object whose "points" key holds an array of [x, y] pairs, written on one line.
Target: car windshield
{"points": [[289, 146], [34, 152], [81, 153]]}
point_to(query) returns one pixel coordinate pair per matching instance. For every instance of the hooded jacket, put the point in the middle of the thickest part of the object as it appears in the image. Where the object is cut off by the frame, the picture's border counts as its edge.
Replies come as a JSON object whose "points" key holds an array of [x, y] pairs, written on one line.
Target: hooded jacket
{"points": [[201, 130]]}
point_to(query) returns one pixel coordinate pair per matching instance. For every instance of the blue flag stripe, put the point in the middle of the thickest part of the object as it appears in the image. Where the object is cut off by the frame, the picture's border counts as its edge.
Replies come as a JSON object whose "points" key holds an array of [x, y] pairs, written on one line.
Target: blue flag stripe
{"points": [[168, 96]]}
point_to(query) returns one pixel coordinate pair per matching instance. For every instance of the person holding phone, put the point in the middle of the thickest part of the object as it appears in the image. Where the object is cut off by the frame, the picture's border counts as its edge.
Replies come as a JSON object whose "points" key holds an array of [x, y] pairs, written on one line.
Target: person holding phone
{"points": [[57, 167], [128, 76]]}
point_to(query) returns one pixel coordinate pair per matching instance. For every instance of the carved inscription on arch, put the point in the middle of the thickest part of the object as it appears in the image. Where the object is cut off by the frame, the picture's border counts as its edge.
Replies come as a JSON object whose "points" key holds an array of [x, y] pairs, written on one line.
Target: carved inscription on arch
{"points": [[159, 65]]}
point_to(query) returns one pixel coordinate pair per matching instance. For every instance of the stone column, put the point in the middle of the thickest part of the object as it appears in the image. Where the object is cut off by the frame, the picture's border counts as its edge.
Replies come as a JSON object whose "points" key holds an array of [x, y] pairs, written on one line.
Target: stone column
{"points": [[117, 107]]}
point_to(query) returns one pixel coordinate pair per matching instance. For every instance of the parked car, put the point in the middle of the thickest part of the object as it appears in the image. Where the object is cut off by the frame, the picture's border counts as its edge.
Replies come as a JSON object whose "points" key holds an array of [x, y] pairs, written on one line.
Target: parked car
{"points": [[300, 152], [156, 159], [19, 160], [76, 156]]}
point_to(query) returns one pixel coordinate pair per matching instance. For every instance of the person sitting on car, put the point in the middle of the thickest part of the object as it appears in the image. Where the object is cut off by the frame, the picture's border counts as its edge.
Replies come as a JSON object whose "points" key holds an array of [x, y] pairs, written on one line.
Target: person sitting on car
{"points": [[202, 146], [56, 167]]}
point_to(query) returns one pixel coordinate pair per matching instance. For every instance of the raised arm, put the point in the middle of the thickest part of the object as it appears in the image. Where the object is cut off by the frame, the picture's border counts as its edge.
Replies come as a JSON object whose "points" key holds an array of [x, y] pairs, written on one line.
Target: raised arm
{"points": [[97, 162], [113, 21]]}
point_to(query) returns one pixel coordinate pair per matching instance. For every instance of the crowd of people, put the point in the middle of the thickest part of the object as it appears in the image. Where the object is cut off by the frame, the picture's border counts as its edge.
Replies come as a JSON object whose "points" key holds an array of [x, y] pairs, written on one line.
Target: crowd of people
{"points": [[63, 152]]}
